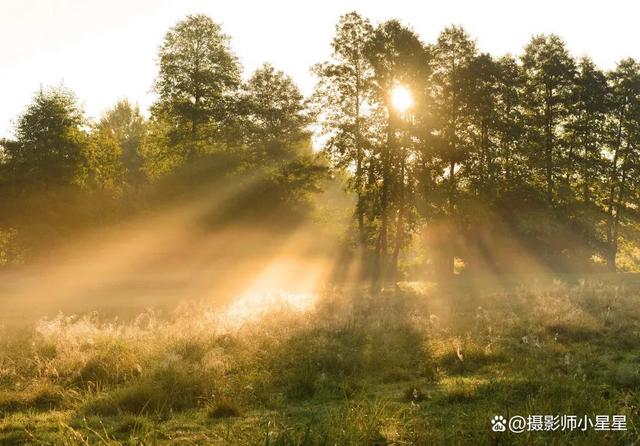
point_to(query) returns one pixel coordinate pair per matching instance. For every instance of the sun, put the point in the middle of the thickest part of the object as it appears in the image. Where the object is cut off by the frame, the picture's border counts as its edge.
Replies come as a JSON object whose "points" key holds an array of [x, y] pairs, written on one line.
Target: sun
{"points": [[401, 98]]}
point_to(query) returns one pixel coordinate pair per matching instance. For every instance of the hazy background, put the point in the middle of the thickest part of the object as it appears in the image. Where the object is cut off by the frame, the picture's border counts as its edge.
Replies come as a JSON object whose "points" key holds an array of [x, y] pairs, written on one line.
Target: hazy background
{"points": [[104, 50]]}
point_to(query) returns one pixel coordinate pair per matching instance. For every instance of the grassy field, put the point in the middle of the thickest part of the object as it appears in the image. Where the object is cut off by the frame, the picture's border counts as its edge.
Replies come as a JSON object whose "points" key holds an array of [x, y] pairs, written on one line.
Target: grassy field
{"points": [[417, 364]]}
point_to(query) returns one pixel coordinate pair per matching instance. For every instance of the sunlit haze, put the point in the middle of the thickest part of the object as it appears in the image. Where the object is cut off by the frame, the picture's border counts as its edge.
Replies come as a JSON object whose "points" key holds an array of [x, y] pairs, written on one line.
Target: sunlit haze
{"points": [[107, 50], [333, 222]]}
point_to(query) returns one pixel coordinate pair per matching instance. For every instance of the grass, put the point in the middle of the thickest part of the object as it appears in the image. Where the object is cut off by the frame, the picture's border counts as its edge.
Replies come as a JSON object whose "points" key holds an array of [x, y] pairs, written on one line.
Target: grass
{"points": [[414, 365]]}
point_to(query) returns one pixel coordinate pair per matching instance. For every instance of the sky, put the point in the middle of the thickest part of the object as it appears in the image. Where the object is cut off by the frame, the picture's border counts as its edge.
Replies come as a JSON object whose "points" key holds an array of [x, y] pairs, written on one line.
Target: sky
{"points": [[105, 50]]}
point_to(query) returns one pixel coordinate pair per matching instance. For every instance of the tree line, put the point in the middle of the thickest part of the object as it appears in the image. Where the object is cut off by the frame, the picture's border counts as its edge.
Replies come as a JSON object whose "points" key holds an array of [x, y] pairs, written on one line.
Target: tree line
{"points": [[492, 159], [207, 129], [534, 154]]}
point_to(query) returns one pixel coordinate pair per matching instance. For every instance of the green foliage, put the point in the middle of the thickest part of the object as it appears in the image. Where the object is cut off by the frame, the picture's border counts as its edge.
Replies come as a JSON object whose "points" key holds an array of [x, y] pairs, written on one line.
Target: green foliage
{"points": [[49, 140], [276, 120], [41, 175], [104, 170], [197, 74], [493, 154], [127, 126]]}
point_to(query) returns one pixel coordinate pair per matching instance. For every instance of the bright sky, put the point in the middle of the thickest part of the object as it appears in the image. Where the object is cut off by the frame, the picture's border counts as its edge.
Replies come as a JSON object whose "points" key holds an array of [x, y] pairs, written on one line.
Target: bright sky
{"points": [[105, 50]]}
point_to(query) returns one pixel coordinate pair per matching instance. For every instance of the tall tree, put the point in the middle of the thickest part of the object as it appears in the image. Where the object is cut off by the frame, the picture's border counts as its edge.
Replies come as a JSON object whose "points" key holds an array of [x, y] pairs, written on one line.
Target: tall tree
{"points": [[197, 75], [624, 131], [343, 95], [510, 123], [453, 53], [585, 128], [549, 73], [399, 60], [483, 79]]}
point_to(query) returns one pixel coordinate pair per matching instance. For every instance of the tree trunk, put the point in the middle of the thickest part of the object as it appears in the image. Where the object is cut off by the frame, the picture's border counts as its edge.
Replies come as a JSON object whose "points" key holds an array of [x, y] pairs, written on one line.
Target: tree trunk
{"points": [[362, 236], [548, 118], [384, 203], [400, 221], [586, 186], [449, 250], [613, 207]]}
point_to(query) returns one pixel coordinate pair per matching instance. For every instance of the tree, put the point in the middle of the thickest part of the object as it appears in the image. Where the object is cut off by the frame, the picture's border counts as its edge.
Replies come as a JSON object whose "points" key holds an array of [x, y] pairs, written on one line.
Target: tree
{"points": [[510, 123], [277, 121], [453, 54], [197, 75], [483, 80], [126, 125], [398, 58], [343, 96], [49, 138], [624, 165], [42, 169], [585, 129], [278, 146], [549, 73], [104, 171]]}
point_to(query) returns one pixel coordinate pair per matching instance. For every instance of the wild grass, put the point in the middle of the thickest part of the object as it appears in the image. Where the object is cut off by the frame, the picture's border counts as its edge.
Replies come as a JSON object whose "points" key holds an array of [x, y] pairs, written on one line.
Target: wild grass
{"points": [[413, 365]]}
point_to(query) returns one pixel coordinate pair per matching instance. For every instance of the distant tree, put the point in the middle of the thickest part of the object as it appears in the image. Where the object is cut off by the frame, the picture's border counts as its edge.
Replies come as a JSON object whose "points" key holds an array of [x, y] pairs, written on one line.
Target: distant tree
{"points": [[580, 175], [277, 120], [104, 170], [278, 145], [198, 74], [42, 170], [161, 153], [126, 125], [586, 129], [49, 137]]}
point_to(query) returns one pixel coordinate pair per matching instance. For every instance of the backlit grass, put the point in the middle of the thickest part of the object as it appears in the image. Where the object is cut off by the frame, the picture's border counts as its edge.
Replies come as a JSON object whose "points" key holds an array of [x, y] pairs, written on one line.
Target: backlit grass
{"points": [[417, 364]]}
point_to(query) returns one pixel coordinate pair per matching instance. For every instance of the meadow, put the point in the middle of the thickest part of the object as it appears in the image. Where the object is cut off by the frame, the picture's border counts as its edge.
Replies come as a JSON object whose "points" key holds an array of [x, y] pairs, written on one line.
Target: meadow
{"points": [[414, 243], [418, 363]]}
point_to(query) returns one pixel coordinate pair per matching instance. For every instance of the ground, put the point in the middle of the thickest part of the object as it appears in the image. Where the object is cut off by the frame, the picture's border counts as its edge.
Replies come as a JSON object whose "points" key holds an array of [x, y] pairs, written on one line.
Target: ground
{"points": [[416, 364]]}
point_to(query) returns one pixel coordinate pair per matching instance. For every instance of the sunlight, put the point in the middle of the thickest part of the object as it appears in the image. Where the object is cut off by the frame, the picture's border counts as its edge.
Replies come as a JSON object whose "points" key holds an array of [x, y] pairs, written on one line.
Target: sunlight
{"points": [[401, 98], [251, 307]]}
